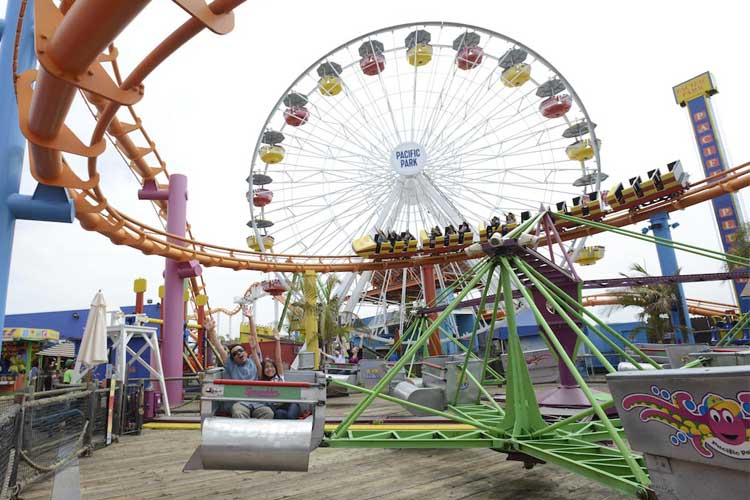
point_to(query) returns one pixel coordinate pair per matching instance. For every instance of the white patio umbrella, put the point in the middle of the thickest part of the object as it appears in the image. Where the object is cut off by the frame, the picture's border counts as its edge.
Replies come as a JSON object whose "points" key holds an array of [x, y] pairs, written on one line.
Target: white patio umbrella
{"points": [[93, 350]]}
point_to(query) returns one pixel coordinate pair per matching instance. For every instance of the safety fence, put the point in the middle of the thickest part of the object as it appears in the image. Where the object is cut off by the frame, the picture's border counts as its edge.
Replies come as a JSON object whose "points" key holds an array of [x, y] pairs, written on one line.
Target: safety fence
{"points": [[42, 432]]}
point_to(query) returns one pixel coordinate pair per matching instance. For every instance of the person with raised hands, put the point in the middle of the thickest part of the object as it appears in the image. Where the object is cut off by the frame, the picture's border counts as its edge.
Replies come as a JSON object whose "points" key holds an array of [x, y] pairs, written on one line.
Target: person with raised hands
{"points": [[240, 365]]}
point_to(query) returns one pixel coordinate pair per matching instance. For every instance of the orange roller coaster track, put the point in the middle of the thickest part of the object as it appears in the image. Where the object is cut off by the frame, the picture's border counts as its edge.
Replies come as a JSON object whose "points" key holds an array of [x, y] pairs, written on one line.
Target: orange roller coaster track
{"points": [[71, 41]]}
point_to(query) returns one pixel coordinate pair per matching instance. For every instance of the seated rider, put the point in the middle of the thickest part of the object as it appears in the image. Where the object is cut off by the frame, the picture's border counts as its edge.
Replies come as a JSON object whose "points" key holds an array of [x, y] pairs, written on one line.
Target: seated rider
{"points": [[392, 237], [237, 366], [273, 370], [337, 356], [510, 218], [355, 356], [464, 227]]}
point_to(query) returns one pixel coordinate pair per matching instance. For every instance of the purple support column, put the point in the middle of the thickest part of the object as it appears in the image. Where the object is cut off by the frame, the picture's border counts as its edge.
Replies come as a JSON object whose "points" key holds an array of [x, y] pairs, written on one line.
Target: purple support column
{"points": [[174, 274], [568, 394]]}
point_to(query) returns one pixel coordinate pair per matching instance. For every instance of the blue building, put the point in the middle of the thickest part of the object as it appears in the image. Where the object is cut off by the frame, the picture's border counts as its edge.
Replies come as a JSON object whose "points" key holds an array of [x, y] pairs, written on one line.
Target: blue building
{"points": [[71, 324]]}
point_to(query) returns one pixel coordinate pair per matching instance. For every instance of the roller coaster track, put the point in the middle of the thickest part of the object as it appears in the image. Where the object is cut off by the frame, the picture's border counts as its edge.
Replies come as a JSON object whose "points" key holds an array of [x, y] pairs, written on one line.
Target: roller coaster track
{"points": [[697, 307], [71, 41]]}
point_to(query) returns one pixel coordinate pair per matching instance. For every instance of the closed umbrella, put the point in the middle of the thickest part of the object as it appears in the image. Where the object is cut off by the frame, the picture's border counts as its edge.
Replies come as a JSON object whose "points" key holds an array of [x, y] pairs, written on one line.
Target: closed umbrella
{"points": [[93, 349]]}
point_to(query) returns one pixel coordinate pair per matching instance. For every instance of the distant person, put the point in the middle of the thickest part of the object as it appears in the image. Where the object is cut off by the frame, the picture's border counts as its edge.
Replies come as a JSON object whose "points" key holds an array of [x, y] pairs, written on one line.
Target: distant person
{"points": [[238, 366], [68, 373], [337, 357], [355, 356]]}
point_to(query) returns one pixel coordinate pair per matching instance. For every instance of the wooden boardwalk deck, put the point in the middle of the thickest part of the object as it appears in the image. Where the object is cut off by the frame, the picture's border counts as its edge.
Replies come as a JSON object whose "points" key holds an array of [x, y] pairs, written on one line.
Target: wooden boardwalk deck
{"points": [[149, 466]]}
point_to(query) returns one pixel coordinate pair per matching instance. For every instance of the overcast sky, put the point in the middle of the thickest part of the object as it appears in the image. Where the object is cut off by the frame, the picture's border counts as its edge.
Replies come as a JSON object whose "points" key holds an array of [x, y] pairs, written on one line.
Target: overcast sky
{"points": [[205, 107]]}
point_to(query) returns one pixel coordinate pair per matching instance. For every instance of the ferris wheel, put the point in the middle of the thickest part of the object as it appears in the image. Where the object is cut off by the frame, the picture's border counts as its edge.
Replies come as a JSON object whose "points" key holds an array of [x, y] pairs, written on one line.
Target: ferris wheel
{"points": [[414, 127]]}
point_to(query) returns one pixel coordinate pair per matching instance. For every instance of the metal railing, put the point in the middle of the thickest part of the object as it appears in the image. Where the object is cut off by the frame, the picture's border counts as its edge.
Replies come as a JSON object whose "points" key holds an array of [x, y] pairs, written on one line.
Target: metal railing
{"points": [[42, 432]]}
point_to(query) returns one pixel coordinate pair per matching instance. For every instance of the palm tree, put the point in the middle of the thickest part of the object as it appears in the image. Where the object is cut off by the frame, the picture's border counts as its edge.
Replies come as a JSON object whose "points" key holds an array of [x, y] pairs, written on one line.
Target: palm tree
{"points": [[656, 303], [740, 246], [327, 308]]}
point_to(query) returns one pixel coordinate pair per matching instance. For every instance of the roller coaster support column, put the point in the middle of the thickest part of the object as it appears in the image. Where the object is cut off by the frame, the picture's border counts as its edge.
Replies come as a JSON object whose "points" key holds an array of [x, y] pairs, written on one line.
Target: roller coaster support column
{"points": [[48, 203], [174, 275], [200, 302], [139, 287], [310, 290], [428, 283], [668, 262]]}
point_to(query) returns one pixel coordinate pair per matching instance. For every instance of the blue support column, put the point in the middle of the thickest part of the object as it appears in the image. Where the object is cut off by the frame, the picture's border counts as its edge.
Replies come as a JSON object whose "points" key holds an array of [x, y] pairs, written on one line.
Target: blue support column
{"points": [[668, 263], [48, 203], [11, 140]]}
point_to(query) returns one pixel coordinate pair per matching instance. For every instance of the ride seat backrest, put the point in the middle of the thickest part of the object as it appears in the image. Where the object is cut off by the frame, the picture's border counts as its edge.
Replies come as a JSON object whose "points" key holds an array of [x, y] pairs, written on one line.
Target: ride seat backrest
{"points": [[636, 183], [618, 193]]}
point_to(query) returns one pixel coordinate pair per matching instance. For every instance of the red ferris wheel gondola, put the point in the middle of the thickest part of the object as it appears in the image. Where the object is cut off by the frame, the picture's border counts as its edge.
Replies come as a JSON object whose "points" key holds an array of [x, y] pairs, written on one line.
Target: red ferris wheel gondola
{"points": [[262, 197], [556, 106], [296, 113], [373, 60], [273, 287]]}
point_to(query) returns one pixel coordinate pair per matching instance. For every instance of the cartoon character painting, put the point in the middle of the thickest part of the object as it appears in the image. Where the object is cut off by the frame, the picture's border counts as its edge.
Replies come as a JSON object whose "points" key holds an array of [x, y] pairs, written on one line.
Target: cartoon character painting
{"points": [[715, 424]]}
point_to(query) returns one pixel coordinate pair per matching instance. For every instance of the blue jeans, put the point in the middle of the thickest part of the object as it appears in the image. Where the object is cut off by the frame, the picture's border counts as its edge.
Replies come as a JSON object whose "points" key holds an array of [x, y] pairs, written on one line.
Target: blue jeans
{"points": [[288, 411]]}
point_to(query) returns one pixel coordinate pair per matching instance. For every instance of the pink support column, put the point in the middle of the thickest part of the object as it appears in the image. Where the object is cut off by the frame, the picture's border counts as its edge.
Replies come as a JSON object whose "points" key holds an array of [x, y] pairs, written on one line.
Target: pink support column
{"points": [[174, 274]]}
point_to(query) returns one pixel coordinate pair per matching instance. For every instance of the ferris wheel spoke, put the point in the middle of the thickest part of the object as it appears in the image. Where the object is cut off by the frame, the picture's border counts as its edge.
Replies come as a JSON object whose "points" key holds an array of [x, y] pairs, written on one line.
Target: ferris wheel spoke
{"points": [[486, 121], [322, 150], [376, 142], [365, 114], [438, 106], [529, 132], [505, 102], [450, 116], [383, 123], [335, 129]]}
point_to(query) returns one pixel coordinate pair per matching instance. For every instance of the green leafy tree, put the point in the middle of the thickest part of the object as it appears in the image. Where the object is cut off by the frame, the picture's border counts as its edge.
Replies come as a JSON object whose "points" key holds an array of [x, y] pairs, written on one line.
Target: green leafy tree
{"points": [[740, 246]]}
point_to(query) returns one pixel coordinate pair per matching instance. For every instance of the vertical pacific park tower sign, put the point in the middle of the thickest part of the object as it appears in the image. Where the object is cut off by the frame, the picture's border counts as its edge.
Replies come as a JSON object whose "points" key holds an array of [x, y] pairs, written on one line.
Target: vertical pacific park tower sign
{"points": [[408, 158], [695, 95]]}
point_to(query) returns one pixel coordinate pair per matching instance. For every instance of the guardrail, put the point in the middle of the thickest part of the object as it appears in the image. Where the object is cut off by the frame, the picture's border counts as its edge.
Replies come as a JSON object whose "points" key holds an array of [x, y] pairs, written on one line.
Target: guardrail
{"points": [[42, 432]]}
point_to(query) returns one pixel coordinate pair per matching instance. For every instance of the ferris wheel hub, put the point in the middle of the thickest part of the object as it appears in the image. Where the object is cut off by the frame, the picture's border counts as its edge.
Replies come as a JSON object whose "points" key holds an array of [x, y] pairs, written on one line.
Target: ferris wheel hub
{"points": [[408, 158]]}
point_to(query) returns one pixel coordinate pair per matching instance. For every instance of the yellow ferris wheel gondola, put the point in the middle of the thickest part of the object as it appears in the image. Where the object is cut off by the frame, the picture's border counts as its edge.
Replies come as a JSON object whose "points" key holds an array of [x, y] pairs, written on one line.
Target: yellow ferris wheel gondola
{"points": [[418, 48], [590, 255]]}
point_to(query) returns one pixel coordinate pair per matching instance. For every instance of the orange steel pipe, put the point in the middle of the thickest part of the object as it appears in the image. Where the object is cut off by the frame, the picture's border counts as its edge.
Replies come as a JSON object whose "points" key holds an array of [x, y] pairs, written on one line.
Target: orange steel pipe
{"points": [[84, 32], [51, 102]]}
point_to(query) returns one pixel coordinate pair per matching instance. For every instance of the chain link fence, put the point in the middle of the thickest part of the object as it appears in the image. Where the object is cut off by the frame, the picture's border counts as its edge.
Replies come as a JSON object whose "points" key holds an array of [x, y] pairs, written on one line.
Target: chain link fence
{"points": [[40, 433]]}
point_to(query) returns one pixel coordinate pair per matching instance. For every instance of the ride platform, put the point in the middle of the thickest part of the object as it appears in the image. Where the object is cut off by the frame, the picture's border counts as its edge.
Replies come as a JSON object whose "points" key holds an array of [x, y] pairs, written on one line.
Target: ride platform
{"points": [[149, 466]]}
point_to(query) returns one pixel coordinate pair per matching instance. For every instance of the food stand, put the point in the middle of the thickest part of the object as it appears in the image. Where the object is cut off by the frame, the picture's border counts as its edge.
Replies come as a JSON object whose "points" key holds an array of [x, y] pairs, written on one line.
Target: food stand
{"points": [[19, 347]]}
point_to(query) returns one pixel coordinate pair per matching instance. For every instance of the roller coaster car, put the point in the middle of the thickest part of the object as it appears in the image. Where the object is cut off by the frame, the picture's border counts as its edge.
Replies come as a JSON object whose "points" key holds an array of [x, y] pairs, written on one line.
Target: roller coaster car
{"points": [[594, 206], [381, 246], [487, 229], [675, 176], [364, 246]]}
